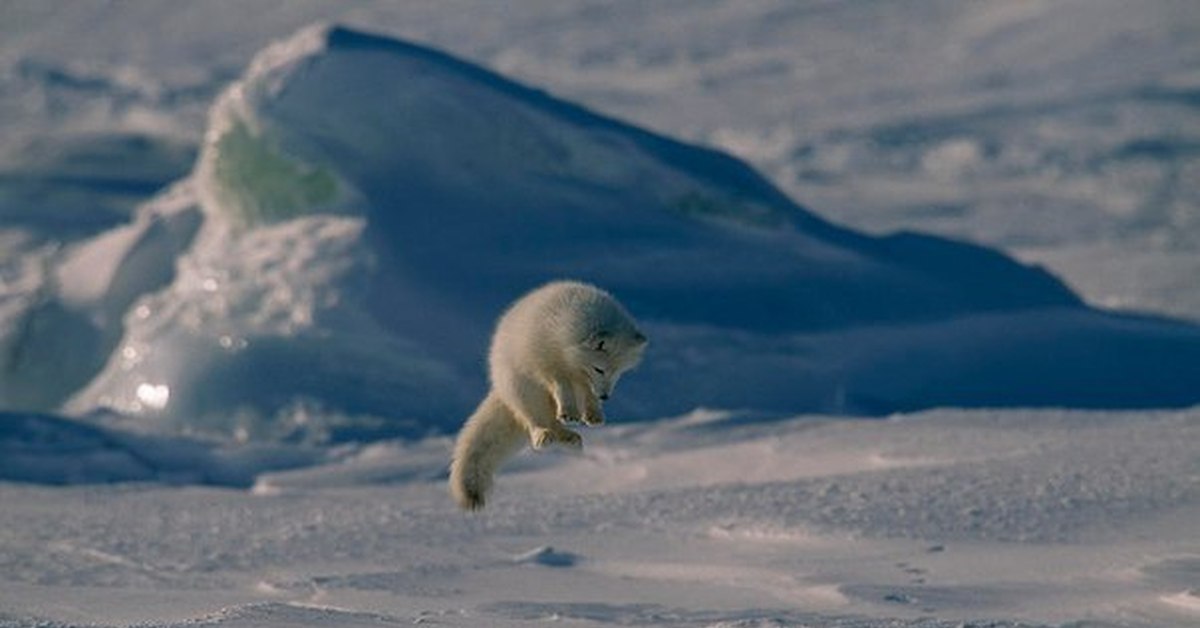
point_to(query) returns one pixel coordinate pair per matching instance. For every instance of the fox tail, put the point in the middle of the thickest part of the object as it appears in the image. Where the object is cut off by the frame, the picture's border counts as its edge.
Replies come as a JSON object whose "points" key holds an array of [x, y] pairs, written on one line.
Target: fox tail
{"points": [[490, 436]]}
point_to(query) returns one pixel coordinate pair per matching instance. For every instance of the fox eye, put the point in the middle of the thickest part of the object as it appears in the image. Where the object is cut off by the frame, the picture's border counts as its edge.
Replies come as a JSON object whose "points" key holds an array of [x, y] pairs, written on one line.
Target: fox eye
{"points": [[598, 370]]}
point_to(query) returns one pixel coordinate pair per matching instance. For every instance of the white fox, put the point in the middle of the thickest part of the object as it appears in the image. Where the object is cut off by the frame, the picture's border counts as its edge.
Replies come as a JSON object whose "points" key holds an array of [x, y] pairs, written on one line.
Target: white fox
{"points": [[555, 355]]}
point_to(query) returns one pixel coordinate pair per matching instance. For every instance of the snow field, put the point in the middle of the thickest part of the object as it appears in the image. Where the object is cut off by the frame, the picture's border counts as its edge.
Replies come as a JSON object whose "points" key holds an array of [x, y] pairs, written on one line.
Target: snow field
{"points": [[930, 519]]}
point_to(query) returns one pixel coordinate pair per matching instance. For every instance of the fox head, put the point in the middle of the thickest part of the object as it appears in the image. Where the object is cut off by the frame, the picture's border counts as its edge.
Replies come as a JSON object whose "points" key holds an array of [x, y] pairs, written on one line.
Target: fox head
{"points": [[607, 355]]}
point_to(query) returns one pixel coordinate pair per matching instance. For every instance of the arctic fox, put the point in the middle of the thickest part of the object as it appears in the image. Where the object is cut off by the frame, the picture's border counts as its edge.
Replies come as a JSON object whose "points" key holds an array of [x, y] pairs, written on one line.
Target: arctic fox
{"points": [[555, 355]]}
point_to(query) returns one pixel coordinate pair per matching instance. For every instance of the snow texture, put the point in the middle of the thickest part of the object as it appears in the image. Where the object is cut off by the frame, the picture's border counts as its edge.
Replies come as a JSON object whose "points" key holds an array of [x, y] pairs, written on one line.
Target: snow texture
{"points": [[938, 519]]}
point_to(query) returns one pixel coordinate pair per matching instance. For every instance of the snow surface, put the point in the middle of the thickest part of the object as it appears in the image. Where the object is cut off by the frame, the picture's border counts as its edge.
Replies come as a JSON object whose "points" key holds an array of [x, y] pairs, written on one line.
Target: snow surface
{"points": [[994, 517], [291, 224]]}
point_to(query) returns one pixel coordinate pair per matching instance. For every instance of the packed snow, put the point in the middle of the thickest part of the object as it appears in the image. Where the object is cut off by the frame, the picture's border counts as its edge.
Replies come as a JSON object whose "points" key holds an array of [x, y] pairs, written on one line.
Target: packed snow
{"points": [[250, 256]]}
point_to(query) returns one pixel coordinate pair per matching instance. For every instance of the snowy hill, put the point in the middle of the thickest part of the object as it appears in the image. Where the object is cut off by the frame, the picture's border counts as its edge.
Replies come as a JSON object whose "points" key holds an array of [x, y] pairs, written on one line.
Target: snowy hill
{"points": [[363, 208]]}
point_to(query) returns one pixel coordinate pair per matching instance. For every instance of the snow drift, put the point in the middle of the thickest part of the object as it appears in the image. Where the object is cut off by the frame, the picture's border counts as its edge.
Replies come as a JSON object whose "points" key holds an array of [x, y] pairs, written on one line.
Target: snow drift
{"points": [[363, 209], [46, 449]]}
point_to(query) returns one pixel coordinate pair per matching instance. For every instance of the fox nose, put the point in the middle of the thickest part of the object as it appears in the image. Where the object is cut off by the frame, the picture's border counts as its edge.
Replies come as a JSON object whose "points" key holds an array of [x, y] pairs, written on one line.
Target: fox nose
{"points": [[603, 396]]}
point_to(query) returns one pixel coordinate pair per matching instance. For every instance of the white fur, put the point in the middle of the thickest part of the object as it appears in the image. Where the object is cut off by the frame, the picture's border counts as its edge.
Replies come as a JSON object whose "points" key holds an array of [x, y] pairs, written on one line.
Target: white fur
{"points": [[556, 355]]}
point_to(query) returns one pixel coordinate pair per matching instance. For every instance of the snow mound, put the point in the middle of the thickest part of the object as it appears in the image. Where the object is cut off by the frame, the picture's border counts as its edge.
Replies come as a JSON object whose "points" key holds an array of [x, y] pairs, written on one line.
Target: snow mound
{"points": [[477, 187], [364, 208]]}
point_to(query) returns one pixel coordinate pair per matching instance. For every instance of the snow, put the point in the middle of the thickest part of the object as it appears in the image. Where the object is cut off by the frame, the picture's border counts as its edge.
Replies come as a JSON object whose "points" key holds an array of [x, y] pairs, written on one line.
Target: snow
{"points": [[1064, 97], [361, 200], [249, 262], [45, 449], [930, 519]]}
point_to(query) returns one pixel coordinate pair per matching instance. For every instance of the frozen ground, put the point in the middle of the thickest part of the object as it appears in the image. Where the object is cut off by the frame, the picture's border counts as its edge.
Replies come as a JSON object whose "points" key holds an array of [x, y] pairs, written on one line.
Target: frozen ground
{"points": [[1063, 132]]}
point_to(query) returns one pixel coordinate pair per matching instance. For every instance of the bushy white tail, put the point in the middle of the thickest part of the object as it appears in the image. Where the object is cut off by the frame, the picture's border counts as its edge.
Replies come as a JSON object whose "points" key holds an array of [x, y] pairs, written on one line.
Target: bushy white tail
{"points": [[491, 436]]}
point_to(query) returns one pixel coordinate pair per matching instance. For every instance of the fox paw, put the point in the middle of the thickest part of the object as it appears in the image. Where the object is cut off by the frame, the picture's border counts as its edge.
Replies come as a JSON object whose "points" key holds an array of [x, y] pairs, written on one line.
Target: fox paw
{"points": [[541, 437], [471, 500], [570, 439], [593, 419]]}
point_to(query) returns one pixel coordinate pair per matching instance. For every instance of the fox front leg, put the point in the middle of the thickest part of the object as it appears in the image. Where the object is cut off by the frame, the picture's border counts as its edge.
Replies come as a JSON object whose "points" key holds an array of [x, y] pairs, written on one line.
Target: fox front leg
{"points": [[565, 402], [540, 437], [593, 414]]}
